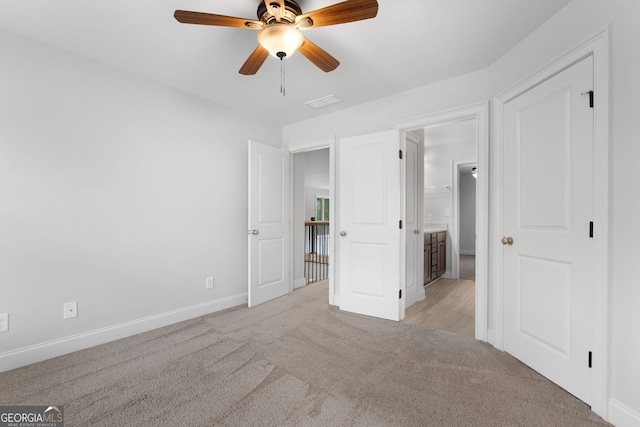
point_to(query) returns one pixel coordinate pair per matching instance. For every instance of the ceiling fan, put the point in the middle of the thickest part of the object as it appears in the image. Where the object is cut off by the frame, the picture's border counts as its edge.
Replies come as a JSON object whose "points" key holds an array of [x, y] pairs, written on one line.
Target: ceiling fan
{"points": [[279, 23]]}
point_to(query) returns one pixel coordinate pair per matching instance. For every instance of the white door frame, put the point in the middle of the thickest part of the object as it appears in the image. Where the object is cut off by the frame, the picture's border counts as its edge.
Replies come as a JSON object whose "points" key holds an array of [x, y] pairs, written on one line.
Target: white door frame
{"points": [[598, 46], [330, 143], [479, 112]]}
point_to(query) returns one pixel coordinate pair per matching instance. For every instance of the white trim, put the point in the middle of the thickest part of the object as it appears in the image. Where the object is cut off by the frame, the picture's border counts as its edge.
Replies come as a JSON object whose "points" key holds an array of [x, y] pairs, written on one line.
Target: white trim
{"points": [[622, 416], [480, 112], [467, 252], [598, 46], [36, 353], [299, 283], [312, 145], [318, 144]]}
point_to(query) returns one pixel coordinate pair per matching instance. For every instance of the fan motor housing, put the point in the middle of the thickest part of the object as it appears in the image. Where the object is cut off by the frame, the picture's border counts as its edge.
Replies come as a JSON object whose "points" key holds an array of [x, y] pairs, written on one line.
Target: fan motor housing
{"points": [[292, 9]]}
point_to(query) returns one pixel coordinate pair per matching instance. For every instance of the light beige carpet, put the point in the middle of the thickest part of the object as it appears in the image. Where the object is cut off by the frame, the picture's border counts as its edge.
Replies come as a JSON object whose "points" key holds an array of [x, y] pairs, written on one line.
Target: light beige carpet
{"points": [[294, 361]]}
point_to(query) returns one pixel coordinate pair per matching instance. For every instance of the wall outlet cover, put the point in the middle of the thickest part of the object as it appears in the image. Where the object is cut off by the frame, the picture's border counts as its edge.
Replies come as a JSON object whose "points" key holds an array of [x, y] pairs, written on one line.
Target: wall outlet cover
{"points": [[70, 309], [209, 283]]}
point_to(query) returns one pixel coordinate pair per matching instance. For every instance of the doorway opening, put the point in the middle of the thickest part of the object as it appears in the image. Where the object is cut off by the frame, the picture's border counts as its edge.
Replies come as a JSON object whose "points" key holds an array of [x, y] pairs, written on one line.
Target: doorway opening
{"points": [[449, 220], [312, 208], [454, 142]]}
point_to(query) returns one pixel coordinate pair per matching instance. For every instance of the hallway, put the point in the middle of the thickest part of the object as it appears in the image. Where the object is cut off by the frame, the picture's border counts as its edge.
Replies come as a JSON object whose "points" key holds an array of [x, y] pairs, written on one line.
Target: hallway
{"points": [[449, 304]]}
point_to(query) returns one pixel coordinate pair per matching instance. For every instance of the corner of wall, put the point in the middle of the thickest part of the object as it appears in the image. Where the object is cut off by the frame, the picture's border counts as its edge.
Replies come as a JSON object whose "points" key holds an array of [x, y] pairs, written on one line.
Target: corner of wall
{"points": [[622, 416]]}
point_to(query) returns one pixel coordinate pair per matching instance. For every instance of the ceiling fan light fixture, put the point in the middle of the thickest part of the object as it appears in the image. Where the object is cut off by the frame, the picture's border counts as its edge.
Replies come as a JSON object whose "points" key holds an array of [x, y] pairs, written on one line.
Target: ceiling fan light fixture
{"points": [[278, 38]]}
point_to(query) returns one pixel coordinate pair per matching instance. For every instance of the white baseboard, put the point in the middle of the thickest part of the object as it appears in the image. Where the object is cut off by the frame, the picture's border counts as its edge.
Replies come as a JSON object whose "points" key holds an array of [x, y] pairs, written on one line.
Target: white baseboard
{"points": [[298, 283], [622, 416], [38, 352]]}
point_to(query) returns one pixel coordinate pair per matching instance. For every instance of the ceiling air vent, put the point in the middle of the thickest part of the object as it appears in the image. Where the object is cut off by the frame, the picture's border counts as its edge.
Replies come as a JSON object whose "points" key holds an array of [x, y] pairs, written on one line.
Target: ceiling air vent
{"points": [[323, 102]]}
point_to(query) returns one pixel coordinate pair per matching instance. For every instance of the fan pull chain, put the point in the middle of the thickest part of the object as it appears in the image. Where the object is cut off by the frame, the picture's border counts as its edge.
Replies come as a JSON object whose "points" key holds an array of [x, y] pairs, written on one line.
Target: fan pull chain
{"points": [[281, 55]]}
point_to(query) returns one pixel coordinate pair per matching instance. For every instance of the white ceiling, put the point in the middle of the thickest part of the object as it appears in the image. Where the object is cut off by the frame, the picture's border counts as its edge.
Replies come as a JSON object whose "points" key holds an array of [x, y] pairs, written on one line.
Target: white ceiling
{"points": [[411, 43]]}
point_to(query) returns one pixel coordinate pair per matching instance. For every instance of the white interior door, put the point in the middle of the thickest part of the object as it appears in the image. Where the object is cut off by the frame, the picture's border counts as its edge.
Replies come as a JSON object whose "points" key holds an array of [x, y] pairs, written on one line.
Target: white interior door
{"points": [[369, 220], [414, 238], [268, 223], [548, 207]]}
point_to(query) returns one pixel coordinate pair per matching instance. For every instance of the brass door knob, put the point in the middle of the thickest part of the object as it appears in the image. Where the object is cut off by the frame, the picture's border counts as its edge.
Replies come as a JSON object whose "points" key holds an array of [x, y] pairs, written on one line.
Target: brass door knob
{"points": [[507, 241]]}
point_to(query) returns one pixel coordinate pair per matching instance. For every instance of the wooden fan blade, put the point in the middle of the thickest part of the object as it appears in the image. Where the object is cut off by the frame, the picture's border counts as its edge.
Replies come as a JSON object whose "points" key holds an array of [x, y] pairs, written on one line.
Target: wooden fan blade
{"points": [[318, 56], [255, 61], [187, 17], [340, 13]]}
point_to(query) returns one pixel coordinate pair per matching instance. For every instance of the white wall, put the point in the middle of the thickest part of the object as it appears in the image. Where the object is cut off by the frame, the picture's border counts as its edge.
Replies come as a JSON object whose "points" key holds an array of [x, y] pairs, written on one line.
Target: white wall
{"points": [[316, 172], [438, 172], [578, 20], [379, 115], [117, 193]]}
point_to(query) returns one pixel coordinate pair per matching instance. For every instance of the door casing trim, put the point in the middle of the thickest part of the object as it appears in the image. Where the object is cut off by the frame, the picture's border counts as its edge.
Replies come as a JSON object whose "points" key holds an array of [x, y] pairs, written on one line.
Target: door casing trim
{"points": [[479, 112], [330, 143]]}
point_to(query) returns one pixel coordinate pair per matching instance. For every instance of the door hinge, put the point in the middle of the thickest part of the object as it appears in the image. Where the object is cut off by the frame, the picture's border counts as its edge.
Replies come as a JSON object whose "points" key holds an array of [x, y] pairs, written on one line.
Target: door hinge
{"points": [[590, 93], [400, 224], [400, 294], [591, 229], [400, 154], [590, 359]]}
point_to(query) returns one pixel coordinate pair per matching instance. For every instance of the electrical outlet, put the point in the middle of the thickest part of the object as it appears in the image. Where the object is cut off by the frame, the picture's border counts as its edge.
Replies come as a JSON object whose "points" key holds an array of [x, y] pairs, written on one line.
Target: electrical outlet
{"points": [[70, 309], [4, 322], [209, 283]]}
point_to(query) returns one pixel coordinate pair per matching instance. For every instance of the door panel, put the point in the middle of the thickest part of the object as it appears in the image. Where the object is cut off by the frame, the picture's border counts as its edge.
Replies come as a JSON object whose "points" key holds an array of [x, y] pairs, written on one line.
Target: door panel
{"points": [[414, 239], [368, 263], [545, 141], [370, 242], [548, 205], [545, 283], [268, 223]]}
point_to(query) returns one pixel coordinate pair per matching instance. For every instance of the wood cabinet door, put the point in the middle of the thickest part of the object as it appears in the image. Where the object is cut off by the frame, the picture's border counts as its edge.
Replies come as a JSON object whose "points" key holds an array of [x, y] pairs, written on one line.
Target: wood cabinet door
{"points": [[442, 258], [427, 264]]}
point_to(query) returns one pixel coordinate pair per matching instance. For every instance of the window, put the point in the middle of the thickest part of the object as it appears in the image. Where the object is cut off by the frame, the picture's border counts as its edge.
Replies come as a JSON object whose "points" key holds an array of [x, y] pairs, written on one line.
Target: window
{"points": [[322, 208]]}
